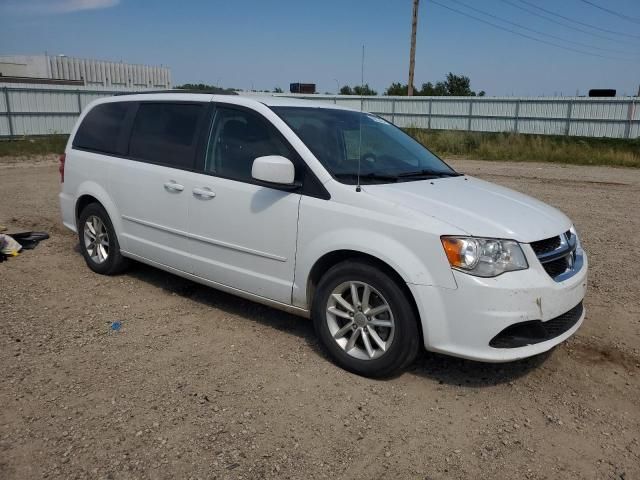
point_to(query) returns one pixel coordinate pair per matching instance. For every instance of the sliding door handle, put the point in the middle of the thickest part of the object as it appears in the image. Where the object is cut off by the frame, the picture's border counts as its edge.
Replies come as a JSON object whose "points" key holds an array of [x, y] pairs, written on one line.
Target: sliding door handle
{"points": [[172, 186]]}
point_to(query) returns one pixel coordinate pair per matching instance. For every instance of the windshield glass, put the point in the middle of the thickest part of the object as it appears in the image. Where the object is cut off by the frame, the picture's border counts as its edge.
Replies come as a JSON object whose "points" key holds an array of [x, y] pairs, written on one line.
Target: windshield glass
{"points": [[339, 138]]}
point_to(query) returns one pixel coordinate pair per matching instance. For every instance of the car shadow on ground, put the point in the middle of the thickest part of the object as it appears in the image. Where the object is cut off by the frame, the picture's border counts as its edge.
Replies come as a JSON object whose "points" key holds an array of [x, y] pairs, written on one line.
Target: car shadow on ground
{"points": [[440, 368]]}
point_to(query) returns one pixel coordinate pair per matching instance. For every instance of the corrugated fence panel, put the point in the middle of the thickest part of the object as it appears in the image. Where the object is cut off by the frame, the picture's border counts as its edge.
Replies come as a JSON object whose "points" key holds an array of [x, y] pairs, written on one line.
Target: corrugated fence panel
{"points": [[38, 110], [602, 110], [87, 98], [450, 107], [493, 124], [412, 121], [449, 123], [542, 126], [494, 109], [409, 106], [47, 125], [598, 129], [43, 102], [346, 102], [544, 109], [377, 105]]}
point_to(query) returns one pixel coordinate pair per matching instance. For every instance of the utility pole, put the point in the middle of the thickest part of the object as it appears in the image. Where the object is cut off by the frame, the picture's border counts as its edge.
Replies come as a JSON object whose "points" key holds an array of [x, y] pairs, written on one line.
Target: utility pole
{"points": [[412, 53]]}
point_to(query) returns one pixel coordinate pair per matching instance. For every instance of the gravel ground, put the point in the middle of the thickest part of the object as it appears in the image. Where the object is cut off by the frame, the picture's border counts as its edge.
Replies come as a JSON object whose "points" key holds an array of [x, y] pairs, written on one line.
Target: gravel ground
{"points": [[200, 384]]}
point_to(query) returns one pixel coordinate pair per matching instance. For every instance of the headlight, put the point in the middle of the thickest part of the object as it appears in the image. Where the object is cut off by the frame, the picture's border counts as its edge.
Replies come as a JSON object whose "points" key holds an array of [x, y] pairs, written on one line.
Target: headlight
{"points": [[484, 257]]}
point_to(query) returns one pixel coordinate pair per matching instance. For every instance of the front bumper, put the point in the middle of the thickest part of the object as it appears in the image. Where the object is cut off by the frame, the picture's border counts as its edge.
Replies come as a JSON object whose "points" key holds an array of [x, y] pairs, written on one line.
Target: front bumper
{"points": [[463, 321]]}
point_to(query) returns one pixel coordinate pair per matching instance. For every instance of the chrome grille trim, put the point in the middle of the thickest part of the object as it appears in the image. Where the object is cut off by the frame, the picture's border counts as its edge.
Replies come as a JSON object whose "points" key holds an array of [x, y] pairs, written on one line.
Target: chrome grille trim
{"points": [[563, 261]]}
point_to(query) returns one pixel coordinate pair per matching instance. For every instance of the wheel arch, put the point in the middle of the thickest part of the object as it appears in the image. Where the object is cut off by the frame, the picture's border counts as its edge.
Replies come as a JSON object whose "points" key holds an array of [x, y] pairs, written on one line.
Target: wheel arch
{"points": [[330, 259], [82, 202]]}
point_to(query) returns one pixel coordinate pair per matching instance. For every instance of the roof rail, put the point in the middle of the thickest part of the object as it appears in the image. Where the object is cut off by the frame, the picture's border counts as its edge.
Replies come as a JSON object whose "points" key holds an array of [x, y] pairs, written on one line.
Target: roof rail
{"points": [[174, 90]]}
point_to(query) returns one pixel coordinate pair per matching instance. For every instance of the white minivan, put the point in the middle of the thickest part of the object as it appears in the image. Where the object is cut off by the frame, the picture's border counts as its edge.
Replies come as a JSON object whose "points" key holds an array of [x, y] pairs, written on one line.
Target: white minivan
{"points": [[325, 212]]}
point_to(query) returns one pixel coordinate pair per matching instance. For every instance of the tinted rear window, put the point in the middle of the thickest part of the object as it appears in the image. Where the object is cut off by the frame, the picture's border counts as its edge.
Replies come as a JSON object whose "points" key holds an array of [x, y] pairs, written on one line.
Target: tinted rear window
{"points": [[166, 133], [102, 128]]}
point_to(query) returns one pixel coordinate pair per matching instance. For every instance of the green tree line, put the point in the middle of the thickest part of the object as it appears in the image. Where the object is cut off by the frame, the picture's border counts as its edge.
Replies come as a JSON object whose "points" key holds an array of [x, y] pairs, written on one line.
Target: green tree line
{"points": [[452, 86]]}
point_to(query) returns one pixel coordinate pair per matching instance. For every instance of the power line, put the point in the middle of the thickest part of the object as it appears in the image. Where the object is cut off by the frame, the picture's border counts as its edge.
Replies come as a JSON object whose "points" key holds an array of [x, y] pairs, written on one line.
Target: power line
{"points": [[524, 34], [612, 12], [550, 12], [544, 34]]}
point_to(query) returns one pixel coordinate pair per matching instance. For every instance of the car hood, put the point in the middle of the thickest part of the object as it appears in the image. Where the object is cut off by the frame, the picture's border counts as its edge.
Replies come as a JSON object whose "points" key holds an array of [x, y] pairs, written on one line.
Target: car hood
{"points": [[477, 207]]}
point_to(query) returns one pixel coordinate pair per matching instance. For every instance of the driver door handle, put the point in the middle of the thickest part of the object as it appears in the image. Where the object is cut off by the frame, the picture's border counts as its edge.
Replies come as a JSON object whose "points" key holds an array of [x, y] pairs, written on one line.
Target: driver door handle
{"points": [[203, 193]]}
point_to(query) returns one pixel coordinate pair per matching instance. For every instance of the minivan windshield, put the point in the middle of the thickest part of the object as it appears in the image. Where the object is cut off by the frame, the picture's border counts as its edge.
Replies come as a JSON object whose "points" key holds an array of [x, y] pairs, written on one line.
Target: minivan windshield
{"points": [[341, 138]]}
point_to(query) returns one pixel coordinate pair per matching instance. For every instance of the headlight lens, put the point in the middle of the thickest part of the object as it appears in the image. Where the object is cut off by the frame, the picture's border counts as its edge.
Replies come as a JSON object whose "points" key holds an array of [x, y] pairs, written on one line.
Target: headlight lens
{"points": [[484, 257]]}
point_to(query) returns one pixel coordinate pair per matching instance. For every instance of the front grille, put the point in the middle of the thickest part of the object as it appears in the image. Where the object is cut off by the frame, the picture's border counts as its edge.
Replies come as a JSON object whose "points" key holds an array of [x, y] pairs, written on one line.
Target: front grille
{"points": [[536, 331], [556, 267], [556, 254], [545, 246]]}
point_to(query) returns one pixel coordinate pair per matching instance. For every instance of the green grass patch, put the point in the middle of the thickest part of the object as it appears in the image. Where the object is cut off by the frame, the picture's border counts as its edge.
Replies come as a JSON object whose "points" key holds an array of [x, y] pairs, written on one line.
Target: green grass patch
{"points": [[530, 148], [29, 146], [447, 143]]}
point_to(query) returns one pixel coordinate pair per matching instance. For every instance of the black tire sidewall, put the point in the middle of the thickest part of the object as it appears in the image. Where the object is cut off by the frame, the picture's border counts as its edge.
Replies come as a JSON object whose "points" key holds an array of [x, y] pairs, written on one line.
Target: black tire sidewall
{"points": [[114, 259], [406, 337]]}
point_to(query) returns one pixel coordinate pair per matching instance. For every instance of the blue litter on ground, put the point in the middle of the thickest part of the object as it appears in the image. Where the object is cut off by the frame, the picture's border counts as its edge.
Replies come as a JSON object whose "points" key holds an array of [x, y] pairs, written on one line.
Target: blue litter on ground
{"points": [[115, 326]]}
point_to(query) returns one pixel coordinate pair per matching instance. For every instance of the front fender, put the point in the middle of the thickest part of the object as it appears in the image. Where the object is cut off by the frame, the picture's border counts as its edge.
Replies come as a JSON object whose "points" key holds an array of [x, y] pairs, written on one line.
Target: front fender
{"points": [[414, 253]]}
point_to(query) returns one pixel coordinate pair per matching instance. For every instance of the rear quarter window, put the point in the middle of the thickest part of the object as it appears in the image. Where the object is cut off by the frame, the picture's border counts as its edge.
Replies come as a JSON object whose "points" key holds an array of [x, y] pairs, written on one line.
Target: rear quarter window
{"points": [[166, 133], [102, 129]]}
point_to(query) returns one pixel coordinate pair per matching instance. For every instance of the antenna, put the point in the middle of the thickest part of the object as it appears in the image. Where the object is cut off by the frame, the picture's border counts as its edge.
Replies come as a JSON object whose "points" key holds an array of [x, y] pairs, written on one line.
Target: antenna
{"points": [[358, 188]]}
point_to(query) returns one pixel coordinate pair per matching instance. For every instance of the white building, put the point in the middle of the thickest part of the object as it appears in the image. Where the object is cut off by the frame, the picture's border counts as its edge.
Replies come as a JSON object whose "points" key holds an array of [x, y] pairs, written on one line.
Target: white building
{"points": [[96, 73]]}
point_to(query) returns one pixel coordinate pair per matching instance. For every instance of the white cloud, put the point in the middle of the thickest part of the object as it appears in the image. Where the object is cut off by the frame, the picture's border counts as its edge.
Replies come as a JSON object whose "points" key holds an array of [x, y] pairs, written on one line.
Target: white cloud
{"points": [[58, 6]]}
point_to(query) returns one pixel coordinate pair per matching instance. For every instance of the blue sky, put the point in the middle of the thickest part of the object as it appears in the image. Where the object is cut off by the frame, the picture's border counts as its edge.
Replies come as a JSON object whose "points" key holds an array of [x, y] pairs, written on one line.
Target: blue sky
{"points": [[263, 44]]}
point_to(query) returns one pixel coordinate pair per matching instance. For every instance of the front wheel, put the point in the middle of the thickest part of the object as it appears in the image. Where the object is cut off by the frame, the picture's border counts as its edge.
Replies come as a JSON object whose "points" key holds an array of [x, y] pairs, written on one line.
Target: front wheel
{"points": [[365, 320]]}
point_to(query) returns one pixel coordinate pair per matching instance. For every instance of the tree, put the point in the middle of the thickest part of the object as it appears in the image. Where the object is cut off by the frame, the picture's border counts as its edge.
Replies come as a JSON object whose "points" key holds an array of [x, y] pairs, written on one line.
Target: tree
{"points": [[397, 88], [277, 90], [364, 90], [453, 85], [458, 86], [346, 90]]}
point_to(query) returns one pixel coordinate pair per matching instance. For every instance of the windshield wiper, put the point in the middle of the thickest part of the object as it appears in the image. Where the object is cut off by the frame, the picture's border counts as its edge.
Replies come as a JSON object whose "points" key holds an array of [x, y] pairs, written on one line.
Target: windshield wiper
{"points": [[368, 176], [427, 174]]}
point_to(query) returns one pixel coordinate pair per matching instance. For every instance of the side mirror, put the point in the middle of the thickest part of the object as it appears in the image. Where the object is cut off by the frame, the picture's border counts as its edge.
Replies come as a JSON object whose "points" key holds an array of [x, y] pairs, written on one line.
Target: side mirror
{"points": [[274, 169]]}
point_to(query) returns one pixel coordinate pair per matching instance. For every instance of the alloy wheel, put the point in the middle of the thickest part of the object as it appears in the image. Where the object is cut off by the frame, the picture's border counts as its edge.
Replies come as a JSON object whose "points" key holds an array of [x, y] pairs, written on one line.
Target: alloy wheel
{"points": [[96, 239], [360, 320]]}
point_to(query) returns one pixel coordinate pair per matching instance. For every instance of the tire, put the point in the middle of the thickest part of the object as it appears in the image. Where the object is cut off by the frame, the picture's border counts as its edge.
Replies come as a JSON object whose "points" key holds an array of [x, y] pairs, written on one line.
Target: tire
{"points": [[105, 259], [396, 327]]}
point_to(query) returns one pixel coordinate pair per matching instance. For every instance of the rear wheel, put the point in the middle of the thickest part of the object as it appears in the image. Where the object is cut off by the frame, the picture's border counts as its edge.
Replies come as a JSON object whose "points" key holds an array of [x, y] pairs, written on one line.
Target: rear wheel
{"points": [[98, 241], [365, 320]]}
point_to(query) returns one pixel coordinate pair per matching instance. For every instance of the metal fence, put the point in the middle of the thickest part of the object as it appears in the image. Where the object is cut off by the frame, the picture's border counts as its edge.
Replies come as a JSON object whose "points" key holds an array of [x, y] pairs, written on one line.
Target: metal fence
{"points": [[29, 110], [617, 117]]}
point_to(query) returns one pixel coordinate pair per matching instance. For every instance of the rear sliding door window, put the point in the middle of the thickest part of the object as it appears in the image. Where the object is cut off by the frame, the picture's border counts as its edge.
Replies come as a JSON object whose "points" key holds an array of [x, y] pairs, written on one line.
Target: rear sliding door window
{"points": [[166, 133], [102, 129]]}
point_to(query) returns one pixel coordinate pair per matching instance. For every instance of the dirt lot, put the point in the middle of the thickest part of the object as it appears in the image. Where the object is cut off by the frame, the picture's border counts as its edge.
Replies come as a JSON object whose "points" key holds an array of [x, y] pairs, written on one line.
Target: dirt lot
{"points": [[200, 384]]}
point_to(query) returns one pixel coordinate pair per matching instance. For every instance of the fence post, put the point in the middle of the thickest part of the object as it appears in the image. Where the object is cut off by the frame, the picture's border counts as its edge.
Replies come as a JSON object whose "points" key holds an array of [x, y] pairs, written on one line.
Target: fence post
{"points": [[393, 111], [429, 117], [9, 119], [470, 114], [79, 102], [567, 128], [631, 110], [517, 115]]}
